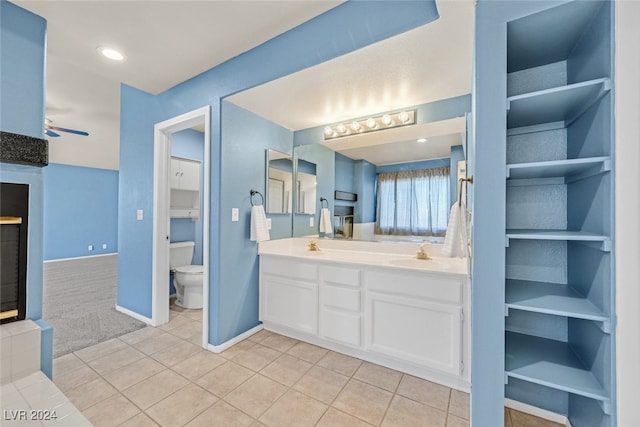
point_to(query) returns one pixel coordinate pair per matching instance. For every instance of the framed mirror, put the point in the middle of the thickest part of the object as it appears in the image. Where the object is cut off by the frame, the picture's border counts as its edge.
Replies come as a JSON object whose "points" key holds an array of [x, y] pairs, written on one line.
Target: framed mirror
{"points": [[279, 197], [306, 183]]}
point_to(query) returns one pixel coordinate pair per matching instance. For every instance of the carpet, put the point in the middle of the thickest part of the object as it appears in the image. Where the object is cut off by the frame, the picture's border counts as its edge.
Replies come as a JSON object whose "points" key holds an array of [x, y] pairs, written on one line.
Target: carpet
{"points": [[79, 298]]}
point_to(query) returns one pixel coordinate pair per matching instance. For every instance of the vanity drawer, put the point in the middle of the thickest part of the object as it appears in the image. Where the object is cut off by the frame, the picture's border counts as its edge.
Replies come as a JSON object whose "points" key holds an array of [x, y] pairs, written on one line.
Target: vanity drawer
{"points": [[340, 297], [287, 268], [417, 285], [340, 275]]}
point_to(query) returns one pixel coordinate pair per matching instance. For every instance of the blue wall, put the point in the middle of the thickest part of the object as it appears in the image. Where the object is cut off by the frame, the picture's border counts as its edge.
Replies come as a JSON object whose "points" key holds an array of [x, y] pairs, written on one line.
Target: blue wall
{"points": [[22, 55], [81, 209], [233, 281]]}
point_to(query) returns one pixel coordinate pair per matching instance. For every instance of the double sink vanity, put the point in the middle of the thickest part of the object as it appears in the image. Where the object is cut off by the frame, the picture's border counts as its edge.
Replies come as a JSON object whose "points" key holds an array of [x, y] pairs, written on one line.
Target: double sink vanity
{"points": [[371, 300]]}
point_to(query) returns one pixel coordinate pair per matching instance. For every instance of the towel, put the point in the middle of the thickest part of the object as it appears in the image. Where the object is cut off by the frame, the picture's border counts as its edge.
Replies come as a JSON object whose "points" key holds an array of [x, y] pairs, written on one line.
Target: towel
{"points": [[456, 237], [325, 221], [259, 228]]}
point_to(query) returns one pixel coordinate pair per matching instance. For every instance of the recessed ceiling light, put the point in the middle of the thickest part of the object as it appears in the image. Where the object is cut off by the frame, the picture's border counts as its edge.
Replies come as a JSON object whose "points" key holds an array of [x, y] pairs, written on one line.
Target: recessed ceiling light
{"points": [[111, 53], [422, 140]]}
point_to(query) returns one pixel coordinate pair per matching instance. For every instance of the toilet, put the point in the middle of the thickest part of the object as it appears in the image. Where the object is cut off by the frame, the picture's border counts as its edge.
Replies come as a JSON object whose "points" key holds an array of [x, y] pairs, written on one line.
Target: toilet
{"points": [[187, 278]]}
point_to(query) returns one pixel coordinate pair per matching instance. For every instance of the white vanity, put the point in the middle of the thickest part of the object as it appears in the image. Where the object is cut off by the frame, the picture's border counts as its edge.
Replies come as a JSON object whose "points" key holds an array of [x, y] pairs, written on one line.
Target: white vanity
{"points": [[371, 300]]}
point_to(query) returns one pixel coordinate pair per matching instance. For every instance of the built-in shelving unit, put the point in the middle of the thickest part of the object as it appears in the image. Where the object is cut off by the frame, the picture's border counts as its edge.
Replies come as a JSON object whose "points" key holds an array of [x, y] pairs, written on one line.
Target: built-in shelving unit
{"points": [[559, 287]]}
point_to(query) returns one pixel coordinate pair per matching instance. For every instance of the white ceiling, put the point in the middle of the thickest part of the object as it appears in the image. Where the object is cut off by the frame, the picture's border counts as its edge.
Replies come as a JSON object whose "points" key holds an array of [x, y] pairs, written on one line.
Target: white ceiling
{"points": [[168, 42]]}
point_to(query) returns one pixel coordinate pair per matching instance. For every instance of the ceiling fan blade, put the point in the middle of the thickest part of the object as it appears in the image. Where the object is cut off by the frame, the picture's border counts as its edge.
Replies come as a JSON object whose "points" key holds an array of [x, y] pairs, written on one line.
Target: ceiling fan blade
{"points": [[51, 133], [77, 132]]}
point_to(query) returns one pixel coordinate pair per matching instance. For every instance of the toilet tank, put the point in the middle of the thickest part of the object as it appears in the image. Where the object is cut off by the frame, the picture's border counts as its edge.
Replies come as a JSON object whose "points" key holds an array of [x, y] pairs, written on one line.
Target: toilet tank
{"points": [[180, 254]]}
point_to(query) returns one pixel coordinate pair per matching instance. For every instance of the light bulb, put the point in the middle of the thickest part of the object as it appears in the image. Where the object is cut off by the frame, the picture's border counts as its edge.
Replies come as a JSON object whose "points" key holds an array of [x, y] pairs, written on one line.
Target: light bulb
{"points": [[342, 128], [387, 120], [372, 124], [356, 127], [422, 140], [328, 131], [111, 53], [404, 117]]}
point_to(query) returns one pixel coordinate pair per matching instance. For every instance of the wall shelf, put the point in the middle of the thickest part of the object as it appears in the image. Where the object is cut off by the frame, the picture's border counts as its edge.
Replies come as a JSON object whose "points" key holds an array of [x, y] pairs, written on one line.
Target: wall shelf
{"points": [[572, 169], [550, 363], [550, 298], [566, 235], [564, 103]]}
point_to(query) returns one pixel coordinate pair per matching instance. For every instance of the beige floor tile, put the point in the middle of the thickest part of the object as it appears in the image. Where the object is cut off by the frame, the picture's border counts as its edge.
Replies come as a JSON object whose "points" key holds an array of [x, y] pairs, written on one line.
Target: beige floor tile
{"points": [[182, 406], [140, 420], [187, 329], [179, 352], [279, 342], [75, 378], [193, 315], [308, 352], [111, 412], [155, 388], [335, 418], [294, 409], [224, 378], [157, 343], [405, 412], [133, 373], [115, 360], [198, 365], [520, 419], [256, 395], [424, 391], [260, 335], [175, 322], [286, 369], [221, 414], [237, 349], [99, 350], [364, 401], [378, 376], [459, 404], [140, 335], [343, 364], [256, 357], [90, 393], [453, 421], [64, 364], [321, 384]]}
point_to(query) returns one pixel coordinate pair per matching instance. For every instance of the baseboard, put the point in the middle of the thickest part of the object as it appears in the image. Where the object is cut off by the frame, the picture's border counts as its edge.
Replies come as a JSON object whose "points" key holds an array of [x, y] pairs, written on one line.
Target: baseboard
{"points": [[134, 315], [80, 257], [235, 340], [538, 412]]}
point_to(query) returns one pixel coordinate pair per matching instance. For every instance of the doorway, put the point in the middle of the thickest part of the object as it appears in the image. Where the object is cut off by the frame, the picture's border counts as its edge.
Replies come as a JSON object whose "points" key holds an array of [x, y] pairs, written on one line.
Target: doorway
{"points": [[199, 119]]}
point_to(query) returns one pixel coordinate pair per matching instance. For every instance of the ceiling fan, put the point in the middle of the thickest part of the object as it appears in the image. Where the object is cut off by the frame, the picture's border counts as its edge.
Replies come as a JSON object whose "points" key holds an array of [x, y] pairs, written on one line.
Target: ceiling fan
{"points": [[49, 130]]}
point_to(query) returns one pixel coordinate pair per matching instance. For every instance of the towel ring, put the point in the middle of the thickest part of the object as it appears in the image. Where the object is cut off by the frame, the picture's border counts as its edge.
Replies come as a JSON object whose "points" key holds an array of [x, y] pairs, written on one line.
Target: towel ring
{"points": [[460, 181], [253, 193], [322, 199]]}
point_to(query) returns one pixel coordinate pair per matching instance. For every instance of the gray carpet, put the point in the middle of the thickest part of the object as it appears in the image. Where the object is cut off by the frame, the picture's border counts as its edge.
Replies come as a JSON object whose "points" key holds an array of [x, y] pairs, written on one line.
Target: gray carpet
{"points": [[79, 299]]}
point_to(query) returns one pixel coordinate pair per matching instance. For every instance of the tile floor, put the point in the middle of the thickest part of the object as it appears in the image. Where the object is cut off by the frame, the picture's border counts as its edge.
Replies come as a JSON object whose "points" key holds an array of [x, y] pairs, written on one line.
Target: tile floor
{"points": [[161, 376]]}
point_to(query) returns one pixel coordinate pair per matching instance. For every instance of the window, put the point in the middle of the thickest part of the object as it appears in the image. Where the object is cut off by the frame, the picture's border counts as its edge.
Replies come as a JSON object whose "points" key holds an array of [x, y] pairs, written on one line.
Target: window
{"points": [[413, 203]]}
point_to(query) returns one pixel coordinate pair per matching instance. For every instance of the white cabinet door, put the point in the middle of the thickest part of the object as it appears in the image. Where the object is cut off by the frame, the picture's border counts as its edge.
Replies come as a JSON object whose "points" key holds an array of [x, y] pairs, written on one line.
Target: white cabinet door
{"points": [[416, 330], [190, 175], [292, 303], [174, 178]]}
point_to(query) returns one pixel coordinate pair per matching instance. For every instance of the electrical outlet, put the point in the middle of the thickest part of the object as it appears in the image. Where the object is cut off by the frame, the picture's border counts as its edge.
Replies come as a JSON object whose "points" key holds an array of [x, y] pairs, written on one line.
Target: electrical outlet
{"points": [[90, 247], [140, 214], [311, 221], [104, 246]]}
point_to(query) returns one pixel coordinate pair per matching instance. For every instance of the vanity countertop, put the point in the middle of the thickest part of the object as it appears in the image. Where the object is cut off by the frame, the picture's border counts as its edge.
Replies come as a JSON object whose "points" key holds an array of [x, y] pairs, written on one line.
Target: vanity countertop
{"points": [[378, 254]]}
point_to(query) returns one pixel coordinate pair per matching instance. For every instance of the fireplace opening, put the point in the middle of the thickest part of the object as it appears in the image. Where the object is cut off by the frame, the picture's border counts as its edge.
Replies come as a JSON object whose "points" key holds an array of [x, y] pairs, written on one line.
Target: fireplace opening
{"points": [[14, 222]]}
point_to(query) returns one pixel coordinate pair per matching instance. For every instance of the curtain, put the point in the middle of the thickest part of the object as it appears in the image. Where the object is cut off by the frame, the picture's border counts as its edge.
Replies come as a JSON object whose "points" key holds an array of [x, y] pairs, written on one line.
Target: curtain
{"points": [[413, 203]]}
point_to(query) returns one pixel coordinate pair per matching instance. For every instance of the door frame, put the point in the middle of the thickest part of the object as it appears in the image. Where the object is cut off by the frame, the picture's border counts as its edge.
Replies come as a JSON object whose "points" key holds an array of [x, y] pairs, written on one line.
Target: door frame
{"points": [[161, 216]]}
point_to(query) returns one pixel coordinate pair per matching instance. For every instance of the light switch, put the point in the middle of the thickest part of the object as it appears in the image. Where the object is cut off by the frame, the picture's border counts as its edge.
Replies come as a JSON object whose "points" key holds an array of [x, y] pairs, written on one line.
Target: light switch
{"points": [[235, 214], [268, 223], [139, 214], [311, 221], [90, 247]]}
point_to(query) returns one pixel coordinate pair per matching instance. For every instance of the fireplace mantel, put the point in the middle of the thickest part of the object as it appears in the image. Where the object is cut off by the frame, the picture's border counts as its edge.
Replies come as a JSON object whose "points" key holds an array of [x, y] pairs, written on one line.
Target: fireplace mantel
{"points": [[23, 149]]}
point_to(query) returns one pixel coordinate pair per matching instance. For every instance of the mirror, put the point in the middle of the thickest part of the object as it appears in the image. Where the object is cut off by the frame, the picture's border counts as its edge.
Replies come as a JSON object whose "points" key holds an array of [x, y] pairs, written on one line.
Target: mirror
{"points": [[279, 182], [306, 187], [427, 69]]}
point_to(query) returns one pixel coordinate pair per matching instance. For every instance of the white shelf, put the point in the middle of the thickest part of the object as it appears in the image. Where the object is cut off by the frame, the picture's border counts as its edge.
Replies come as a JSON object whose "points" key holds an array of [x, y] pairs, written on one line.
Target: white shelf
{"points": [[559, 104], [552, 364], [571, 169], [550, 298]]}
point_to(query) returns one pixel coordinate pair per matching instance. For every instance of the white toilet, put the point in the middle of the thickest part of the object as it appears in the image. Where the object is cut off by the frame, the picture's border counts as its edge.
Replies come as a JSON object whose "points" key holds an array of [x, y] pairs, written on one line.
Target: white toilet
{"points": [[187, 278]]}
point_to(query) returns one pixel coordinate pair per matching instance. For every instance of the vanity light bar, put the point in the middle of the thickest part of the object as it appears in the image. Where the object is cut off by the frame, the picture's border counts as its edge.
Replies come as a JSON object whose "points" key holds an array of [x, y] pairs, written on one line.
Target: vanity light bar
{"points": [[372, 124]]}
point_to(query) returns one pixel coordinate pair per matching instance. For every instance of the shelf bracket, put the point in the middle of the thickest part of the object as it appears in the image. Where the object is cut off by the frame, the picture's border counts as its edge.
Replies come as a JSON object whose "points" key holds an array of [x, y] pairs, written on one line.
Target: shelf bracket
{"points": [[506, 242], [506, 378], [604, 246], [605, 405], [506, 311], [605, 326]]}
